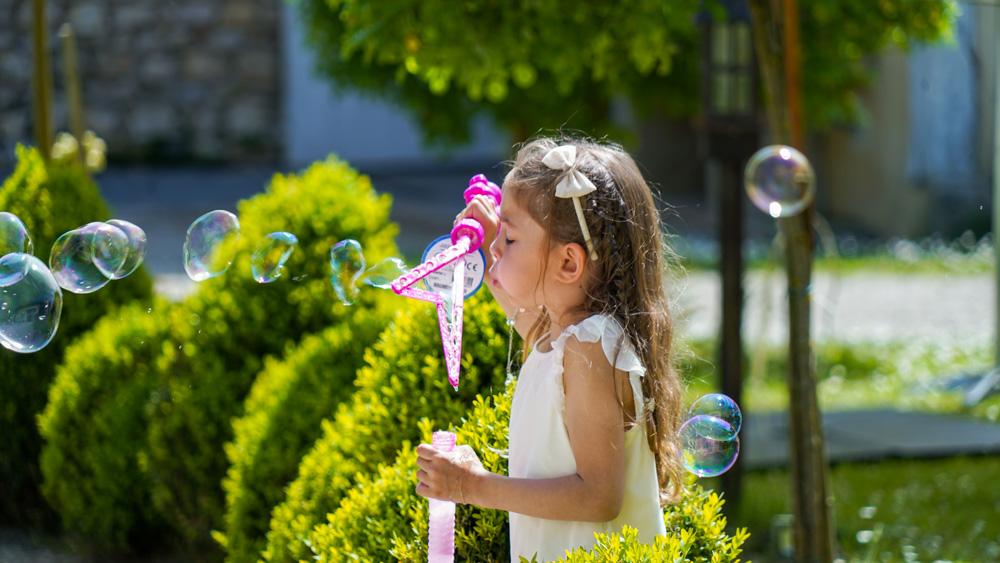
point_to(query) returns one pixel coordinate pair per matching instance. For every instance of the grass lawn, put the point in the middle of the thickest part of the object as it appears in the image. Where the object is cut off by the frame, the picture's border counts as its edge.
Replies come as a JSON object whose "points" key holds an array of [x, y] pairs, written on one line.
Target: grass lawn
{"points": [[895, 510], [964, 256]]}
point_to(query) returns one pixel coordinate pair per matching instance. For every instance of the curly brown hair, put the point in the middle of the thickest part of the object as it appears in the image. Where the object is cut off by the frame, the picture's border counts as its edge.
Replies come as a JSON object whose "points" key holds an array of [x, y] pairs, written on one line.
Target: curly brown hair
{"points": [[627, 279]]}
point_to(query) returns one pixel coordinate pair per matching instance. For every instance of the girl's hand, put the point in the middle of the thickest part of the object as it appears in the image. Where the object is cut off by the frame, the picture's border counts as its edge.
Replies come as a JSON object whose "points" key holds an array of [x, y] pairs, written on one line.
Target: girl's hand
{"points": [[482, 209], [447, 475]]}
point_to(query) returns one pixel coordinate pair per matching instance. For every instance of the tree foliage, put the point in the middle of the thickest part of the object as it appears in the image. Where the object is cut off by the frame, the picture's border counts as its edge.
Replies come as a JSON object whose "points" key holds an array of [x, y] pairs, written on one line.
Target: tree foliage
{"points": [[541, 64]]}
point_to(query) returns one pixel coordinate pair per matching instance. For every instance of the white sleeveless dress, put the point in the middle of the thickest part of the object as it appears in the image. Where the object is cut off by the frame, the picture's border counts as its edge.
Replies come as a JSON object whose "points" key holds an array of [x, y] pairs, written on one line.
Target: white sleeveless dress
{"points": [[540, 447]]}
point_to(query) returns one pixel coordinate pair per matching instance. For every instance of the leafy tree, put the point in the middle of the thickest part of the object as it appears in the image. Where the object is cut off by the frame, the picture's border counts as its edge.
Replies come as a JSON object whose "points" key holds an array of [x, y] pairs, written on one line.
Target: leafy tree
{"points": [[543, 64]]}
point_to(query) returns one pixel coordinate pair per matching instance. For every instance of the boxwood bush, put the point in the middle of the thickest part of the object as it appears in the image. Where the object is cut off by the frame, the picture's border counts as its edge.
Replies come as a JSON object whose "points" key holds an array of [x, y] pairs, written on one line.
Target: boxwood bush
{"points": [[215, 343], [404, 381], [282, 418], [95, 426], [50, 199], [383, 518]]}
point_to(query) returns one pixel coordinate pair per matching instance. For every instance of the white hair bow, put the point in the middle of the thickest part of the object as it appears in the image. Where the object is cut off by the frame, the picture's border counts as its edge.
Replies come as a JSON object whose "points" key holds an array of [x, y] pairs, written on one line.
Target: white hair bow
{"points": [[573, 184]]}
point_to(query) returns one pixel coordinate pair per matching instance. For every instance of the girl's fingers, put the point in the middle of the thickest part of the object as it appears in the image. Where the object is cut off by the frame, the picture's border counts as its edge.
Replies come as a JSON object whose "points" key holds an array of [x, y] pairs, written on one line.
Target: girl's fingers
{"points": [[423, 490], [426, 451]]}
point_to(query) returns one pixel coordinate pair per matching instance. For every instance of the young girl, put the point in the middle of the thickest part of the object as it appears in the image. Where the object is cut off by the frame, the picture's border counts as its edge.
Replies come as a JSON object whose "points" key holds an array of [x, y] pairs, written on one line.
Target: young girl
{"points": [[577, 260]]}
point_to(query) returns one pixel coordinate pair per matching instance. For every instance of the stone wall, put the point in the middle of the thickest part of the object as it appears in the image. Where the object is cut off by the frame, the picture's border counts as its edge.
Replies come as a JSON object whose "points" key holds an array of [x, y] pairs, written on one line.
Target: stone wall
{"points": [[163, 80]]}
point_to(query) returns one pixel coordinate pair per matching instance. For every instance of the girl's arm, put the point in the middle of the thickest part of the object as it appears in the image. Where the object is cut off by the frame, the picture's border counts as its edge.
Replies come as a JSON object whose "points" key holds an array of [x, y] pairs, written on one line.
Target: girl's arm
{"points": [[595, 424]]}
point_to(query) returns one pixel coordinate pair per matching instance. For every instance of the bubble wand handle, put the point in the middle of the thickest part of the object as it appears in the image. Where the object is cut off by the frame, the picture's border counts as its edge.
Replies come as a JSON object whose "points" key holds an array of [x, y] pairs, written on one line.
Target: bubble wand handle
{"points": [[441, 514]]}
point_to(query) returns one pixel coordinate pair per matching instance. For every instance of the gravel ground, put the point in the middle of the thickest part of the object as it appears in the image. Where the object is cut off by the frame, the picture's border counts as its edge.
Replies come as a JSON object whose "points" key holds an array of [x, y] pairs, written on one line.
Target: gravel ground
{"points": [[852, 307]]}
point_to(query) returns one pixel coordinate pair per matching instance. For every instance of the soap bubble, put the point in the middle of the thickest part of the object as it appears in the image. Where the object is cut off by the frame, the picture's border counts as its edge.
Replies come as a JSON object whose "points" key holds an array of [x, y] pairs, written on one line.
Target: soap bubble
{"points": [[72, 262], [779, 181], [29, 307], [703, 454], [268, 261], [13, 235], [208, 248], [381, 275], [722, 407], [12, 268], [136, 248], [347, 263], [110, 247]]}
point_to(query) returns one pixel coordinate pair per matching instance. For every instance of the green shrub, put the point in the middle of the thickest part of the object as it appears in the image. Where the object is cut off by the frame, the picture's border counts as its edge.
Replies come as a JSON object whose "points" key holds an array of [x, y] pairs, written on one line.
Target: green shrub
{"points": [[95, 424], [384, 519], [229, 326], [708, 544], [404, 381], [50, 200], [215, 344], [283, 413]]}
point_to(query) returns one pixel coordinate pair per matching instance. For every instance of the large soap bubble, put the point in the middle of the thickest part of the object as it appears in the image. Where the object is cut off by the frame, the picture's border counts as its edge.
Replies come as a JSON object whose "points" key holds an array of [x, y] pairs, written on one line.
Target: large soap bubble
{"points": [[703, 452], [72, 261], [208, 250], [13, 235], [268, 261], [347, 264], [779, 181], [136, 248], [29, 307], [110, 247], [722, 407], [381, 275]]}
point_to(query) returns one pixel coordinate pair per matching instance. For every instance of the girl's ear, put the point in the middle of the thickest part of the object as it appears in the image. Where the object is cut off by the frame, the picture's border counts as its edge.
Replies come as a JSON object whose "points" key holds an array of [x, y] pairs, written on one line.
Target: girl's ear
{"points": [[571, 259]]}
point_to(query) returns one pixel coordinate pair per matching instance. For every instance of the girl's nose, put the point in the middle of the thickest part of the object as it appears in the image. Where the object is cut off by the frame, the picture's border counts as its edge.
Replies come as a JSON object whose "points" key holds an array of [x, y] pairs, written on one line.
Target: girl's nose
{"points": [[495, 246]]}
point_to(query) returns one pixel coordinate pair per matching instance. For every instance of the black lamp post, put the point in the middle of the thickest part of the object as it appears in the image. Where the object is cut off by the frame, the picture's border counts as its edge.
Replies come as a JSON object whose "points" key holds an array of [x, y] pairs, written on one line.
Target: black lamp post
{"points": [[729, 135]]}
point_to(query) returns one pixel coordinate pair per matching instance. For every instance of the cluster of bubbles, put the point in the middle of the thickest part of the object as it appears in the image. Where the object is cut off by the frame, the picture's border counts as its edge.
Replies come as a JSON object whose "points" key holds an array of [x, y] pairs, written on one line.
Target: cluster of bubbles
{"points": [[209, 251], [779, 181], [349, 271], [88, 258], [710, 440], [81, 261]]}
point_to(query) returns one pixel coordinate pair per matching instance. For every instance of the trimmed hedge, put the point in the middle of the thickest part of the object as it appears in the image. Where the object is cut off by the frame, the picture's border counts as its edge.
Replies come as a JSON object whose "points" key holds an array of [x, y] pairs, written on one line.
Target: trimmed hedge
{"points": [[50, 200], [404, 381], [95, 425], [383, 518], [283, 413], [215, 344]]}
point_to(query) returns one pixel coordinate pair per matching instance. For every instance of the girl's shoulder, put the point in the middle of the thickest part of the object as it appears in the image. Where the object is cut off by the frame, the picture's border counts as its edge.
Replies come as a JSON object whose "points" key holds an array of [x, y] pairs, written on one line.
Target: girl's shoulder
{"points": [[608, 331]]}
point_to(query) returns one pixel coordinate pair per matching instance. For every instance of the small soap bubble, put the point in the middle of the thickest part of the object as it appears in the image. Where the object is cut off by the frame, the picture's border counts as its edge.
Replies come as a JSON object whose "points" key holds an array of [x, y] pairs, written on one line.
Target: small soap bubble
{"points": [[30, 307], [136, 248], [208, 248], [722, 407], [110, 247], [704, 455], [72, 262], [13, 235], [779, 181], [381, 275], [268, 261], [347, 263]]}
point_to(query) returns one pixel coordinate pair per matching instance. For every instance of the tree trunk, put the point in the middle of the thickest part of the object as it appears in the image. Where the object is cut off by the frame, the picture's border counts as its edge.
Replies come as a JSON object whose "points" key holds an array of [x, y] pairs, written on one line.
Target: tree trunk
{"points": [[812, 524]]}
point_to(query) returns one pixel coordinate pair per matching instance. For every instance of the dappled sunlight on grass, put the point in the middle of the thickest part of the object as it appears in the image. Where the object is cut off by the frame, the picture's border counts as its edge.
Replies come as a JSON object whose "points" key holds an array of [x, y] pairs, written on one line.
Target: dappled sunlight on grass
{"points": [[894, 510], [912, 375]]}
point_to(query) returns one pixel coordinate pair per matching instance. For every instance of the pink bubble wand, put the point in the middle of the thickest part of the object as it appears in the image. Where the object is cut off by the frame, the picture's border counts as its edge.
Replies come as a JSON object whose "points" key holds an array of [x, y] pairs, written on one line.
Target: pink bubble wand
{"points": [[466, 237]]}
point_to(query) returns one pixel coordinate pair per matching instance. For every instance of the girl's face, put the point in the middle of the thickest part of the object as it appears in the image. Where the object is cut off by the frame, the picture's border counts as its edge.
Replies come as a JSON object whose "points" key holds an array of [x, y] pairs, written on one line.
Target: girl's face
{"points": [[519, 253]]}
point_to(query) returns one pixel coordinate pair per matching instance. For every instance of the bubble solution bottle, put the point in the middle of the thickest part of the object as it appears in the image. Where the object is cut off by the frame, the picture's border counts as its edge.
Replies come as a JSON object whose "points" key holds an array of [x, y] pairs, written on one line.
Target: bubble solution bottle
{"points": [[441, 523]]}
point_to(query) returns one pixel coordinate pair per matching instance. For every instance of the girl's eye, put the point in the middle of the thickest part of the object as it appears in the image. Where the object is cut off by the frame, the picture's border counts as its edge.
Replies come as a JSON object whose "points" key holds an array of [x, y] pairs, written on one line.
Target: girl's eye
{"points": [[507, 241]]}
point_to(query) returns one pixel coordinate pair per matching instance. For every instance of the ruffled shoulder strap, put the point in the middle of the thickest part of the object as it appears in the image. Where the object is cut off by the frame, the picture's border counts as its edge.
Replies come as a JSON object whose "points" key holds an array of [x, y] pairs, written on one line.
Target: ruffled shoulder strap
{"points": [[617, 349]]}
